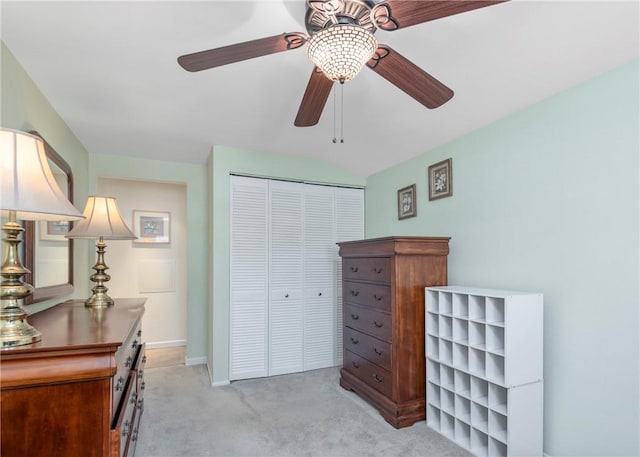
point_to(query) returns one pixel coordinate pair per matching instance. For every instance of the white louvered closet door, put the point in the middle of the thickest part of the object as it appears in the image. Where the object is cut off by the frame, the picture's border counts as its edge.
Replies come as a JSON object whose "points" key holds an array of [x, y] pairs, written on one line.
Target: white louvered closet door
{"points": [[349, 210], [286, 271], [249, 278], [319, 277]]}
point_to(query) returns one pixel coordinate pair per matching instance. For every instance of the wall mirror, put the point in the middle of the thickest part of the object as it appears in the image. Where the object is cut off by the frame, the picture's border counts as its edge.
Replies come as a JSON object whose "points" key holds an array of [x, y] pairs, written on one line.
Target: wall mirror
{"points": [[47, 253]]}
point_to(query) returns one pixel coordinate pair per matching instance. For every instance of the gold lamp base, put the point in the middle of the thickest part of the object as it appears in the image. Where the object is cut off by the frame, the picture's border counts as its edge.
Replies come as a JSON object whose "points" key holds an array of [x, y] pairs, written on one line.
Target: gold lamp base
{"points": [[99, 299], [14, 328]]}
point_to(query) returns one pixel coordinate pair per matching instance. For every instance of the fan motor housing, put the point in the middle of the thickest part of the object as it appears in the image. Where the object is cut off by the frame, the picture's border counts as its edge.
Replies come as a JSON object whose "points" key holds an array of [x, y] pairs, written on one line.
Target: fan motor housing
{"points": [[356, 12]]}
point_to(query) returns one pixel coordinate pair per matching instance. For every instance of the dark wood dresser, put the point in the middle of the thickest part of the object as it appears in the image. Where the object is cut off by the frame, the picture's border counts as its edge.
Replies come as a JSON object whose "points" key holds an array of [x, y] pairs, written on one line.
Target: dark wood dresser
{"points": [[384, 337], [78, 392]]}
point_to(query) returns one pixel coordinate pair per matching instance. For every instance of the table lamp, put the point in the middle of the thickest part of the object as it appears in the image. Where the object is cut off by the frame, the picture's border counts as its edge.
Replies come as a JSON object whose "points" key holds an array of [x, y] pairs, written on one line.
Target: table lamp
{"points": [[102, 222], [28, 191]]}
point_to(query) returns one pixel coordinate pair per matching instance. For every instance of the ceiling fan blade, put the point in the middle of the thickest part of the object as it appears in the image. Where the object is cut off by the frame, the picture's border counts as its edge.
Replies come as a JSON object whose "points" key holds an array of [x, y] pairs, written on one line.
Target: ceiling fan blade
{"points": [[314, 99], [407, 76], [241, 51], [396, 14]]}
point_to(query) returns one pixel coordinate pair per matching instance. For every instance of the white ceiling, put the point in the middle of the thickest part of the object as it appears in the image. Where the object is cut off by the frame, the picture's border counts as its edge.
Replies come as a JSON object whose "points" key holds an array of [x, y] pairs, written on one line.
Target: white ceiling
{"points": [[109, 69]]}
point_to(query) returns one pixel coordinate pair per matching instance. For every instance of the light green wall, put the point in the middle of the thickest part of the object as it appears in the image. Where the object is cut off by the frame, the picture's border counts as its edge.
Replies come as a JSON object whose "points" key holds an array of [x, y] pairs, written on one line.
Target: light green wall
{"points": [[547, 200], [195, 179], [24, 107], [223, 162]]}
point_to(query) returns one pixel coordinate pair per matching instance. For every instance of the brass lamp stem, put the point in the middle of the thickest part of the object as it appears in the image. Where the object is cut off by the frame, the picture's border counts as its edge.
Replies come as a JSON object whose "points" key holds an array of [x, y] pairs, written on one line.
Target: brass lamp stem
{"points": [[14, 328], [99, 298]]}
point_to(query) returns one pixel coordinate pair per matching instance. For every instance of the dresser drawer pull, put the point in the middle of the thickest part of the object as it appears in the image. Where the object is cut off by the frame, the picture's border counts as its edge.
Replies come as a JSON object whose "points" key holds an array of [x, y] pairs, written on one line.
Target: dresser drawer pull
{"points": [[378, 297], [140, 403], [377, 378], [139, 333], [354, 269], [144, 359], [354, 340], [129, 362], [319, 294], [142, 385], [355, 365], [140, 373], [286, 295], [355, 317], [377, 351], [377, 270], [134, 344], [134, 435], [355, 293], [134, 398], [125, 428], [120, 383], [377, 324]]}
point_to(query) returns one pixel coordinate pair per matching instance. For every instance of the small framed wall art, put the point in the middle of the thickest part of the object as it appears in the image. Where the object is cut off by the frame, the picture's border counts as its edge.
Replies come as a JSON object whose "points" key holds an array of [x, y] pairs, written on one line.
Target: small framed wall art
{"points": [[440, 180], [54, 230], [152, 226], [407, 202]]}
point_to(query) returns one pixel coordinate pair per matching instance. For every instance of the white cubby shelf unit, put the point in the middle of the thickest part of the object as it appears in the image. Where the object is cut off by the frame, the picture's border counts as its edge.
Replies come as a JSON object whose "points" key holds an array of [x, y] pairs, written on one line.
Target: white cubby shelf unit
{"points": [[484, 369]]}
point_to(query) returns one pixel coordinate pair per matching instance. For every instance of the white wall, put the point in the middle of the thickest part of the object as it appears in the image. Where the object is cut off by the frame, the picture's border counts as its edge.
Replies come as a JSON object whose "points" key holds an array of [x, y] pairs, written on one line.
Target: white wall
{"points": [[133, 266]]}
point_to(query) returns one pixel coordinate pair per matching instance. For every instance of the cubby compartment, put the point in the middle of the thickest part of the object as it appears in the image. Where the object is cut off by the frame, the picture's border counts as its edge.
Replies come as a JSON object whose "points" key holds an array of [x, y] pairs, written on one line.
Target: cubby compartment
{"points": [[462, 433], [445, 327], [495, 368], [433, 394], [433, 371], [463, 409], [446, 377], [484, 369], [460, 330], [431, 324], [445, 351], [462, 383], [495, 339], [477, 308], [477, 362], [479, 417], [431, 298], [498, 398], [433, 349], [495, 310], [461, 356], [461, 305], [444, 303], [477, 333]]}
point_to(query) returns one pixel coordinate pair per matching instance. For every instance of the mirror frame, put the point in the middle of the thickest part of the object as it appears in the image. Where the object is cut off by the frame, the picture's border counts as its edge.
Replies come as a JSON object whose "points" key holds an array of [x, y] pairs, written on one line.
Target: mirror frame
{"points": [[56, 290]]}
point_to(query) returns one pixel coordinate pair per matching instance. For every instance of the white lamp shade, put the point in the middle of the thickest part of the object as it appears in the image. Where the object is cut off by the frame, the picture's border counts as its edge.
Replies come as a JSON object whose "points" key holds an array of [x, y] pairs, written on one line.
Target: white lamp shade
{"points": [[103, 219], [27, 184]]}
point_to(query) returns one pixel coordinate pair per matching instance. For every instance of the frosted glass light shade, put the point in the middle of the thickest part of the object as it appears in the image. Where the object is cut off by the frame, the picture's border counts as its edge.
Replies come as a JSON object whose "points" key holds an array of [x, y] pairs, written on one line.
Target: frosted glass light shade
{"points": [[103, 220], [341, 51], [27, 185]]}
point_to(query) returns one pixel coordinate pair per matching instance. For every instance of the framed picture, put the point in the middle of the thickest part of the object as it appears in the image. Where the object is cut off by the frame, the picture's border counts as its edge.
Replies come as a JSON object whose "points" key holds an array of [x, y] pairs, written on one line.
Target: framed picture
{"points": [[440, 180], [407, 202], [152, 226], [54, 230]]}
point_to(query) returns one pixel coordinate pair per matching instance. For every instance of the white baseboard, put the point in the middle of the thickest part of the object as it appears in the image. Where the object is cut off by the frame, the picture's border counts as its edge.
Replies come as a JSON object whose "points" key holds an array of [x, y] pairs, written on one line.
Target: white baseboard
{"points": [[188, 361], [166, 344], [220, 383]]}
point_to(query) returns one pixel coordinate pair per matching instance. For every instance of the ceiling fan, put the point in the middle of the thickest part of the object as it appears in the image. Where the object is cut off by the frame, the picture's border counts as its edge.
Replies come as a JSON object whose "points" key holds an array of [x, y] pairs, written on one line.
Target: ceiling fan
{"points": [[341, 42]]}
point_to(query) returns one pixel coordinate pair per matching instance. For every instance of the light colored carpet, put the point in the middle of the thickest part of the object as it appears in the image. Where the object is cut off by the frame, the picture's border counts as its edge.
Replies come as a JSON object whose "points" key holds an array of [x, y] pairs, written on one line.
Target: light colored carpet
{"points": [[304, 414]]}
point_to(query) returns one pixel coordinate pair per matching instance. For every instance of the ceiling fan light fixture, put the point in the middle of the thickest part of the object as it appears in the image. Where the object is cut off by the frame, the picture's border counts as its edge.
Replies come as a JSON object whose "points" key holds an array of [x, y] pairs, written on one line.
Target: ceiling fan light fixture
{"points": [[341, 50]]}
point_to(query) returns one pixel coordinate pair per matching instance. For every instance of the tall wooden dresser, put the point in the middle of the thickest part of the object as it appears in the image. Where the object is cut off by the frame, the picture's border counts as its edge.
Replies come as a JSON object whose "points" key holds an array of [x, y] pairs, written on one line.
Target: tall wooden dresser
{"points": [[78, 392], [384, 336]]}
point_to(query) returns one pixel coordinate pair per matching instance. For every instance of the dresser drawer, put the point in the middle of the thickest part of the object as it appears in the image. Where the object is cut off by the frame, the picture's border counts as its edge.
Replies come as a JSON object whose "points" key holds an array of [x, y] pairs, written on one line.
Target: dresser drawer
{"points": [[362, 293], [125, 359], [367, 269], [123, 423], [368, 320], [370, 373], [373, 349]]}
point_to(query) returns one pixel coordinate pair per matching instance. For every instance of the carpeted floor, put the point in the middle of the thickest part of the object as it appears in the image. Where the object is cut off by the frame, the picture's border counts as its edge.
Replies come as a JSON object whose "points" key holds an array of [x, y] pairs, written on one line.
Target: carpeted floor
{"points": [[304, 414]]}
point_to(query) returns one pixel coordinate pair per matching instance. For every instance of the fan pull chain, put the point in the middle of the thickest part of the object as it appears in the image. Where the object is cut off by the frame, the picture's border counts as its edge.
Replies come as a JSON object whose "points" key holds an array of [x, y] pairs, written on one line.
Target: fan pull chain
{"points": [[335, 110]]}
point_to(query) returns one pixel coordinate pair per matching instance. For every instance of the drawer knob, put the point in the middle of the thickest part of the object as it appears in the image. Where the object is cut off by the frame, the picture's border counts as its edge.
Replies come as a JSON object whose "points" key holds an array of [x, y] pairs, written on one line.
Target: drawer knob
{"points": [[140, 403], [134, 344], [134, 398], [377, 378], [129, 362], [144, 359], [354, 340], [139, 333], [355, 317], [286, 295], [377, 351], [377, 324], [120, 383], [354, 269], [319, 294], [355, 365], [355, 293], [140, 373], [125, 428], [378, 297], [377, 270], [142, 385], [134, 435]]}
